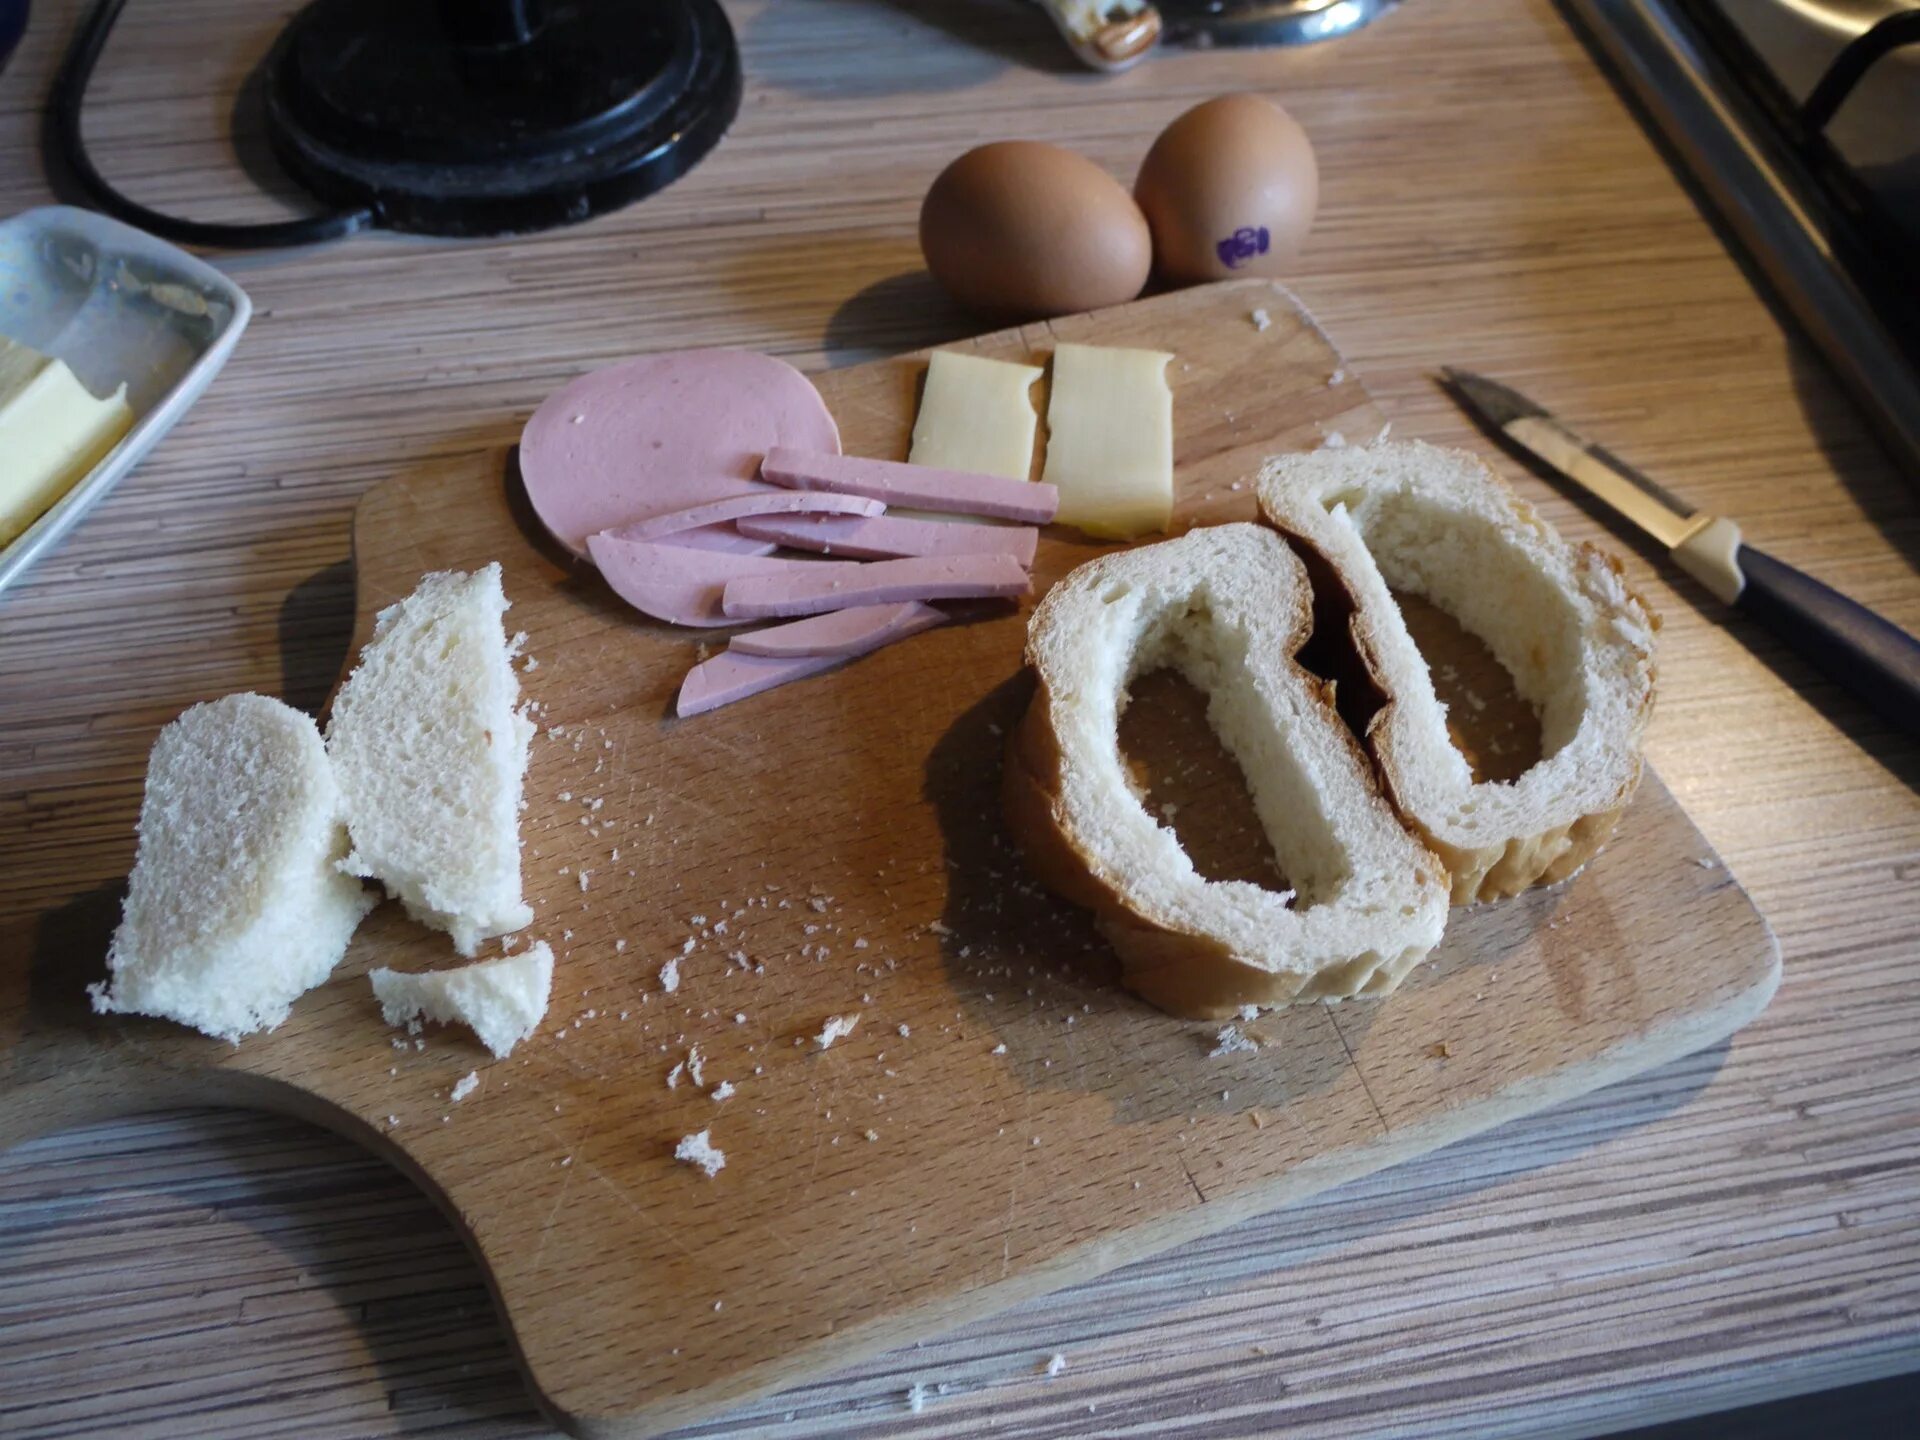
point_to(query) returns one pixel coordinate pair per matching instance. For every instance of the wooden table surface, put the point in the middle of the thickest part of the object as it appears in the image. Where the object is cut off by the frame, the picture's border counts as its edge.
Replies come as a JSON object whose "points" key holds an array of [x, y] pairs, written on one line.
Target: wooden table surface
{"points": [[1737, 1225]]}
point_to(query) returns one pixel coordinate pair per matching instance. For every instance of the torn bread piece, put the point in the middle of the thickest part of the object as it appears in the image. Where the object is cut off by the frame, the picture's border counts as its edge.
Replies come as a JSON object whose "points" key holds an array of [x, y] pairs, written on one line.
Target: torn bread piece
{"points": [[430, 750], [1227, 607], [1560, 618], [502, 1001], [237, 905]]}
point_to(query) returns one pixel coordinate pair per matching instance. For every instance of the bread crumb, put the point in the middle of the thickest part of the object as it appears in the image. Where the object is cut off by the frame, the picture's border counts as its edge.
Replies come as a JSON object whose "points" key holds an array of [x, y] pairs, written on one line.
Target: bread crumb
{"points": [[873, 1134], [1230, 1040], [1707, 862], [916, 1397], [1249, 1012], [999, 1049], [584, 874], [1261, 319], [695, 1067], [1337, 377], [1055, 1364], [673, 1075], [670, 975], [1440, 1050], [697, 1149], [1334, 441], [619, 947], [722, 1091], [393, 1120], [465, 1085], [837, 1027], [904, 1030]]}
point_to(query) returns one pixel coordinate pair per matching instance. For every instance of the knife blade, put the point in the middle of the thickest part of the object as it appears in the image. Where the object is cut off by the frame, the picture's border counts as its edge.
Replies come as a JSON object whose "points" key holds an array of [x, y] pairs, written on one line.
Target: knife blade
{"points": [[1859, 649], [1649, 505]]}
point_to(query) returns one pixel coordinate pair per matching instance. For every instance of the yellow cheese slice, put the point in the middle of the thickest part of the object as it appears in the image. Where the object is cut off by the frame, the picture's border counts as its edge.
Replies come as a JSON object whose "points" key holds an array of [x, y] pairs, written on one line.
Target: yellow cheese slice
{"points": [[976, 416], [52, 432], [1110, 440]]}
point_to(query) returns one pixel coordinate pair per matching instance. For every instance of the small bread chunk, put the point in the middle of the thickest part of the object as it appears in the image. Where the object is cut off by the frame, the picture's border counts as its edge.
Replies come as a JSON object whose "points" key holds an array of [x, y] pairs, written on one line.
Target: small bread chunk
{"points": [[237, 905], [501, 1001], [698, 1149], [1560, 618], [1228, 607], [430, 751]]}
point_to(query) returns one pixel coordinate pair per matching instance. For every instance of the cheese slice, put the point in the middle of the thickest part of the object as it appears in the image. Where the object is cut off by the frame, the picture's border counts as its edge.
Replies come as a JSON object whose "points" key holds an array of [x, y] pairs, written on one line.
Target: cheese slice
{"points": [[976, 416], [1110, 440], [52, 432]]}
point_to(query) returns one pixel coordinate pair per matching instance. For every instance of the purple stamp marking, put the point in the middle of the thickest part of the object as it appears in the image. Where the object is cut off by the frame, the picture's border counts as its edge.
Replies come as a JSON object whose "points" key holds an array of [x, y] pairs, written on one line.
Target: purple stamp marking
{"points": [[1241, 246]]}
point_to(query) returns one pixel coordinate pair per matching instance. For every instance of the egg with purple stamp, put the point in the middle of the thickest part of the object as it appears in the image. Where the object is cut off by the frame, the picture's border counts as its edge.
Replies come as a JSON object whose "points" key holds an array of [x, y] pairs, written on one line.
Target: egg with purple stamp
{"points": [[1229, 188]]}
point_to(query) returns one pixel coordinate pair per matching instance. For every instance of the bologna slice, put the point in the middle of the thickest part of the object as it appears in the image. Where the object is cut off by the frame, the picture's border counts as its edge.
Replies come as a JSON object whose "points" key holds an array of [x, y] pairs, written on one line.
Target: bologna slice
{"points": [[809, 587], [678, 583], [948, 491], [728, 677], [844, 633], [662, 433], [781, 503], [888, 537]]}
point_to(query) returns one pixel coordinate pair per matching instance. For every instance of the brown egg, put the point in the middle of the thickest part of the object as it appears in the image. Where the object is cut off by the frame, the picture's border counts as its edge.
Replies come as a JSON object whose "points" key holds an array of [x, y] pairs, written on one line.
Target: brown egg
{"points": [[1020, 229], [1230, 189]]}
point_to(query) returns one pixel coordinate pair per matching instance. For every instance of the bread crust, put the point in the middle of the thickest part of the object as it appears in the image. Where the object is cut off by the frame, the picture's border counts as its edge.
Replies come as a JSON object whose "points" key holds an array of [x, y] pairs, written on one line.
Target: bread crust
{"points": [[1516, 863], [1182, 971]]}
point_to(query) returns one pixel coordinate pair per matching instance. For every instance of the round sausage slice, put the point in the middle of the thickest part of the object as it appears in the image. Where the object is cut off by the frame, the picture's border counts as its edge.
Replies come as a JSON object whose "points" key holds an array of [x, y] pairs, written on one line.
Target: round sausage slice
{"points": [[663, 433]]}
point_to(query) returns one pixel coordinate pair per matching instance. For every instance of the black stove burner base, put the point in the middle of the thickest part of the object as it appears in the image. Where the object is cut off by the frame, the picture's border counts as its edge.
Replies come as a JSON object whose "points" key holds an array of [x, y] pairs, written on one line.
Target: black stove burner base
{"points": [[498, 117]]}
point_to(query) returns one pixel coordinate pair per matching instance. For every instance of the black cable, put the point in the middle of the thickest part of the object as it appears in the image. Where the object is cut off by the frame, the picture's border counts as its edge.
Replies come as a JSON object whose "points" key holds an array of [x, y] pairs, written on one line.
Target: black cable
{"points": [[65, 142], [1852, 63]]}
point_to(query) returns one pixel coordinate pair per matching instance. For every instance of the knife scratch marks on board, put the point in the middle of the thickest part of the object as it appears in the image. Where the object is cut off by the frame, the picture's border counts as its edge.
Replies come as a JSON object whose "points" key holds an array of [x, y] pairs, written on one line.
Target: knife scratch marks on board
{"points": [[1013, 1188], [624, 1194], [1326, 1008], [821, 1111], [546, 1225], [1187, 1170]]}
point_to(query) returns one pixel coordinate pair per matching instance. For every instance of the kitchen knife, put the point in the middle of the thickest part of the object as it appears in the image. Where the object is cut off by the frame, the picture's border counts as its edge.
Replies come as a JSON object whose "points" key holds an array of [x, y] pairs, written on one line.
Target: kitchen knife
{"points": [[1872, 657]]}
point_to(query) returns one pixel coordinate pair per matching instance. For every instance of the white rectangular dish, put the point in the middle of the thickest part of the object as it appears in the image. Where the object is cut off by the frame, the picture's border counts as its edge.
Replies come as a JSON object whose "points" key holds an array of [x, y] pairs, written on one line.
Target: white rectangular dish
{"points": [[118, 306]]}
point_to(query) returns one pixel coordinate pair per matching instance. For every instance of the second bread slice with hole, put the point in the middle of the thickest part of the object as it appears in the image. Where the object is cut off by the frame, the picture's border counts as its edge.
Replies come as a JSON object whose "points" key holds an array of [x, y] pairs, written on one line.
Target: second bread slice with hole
{"points": [[1228, 607], [1560, 618]]}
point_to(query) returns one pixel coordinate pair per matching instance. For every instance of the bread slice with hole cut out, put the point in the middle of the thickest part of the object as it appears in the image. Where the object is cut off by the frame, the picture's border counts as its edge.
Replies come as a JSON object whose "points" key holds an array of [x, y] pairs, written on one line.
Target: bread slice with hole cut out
{"points": [[1560, 618], [430, 747], [1228, 607], [236, 906]]}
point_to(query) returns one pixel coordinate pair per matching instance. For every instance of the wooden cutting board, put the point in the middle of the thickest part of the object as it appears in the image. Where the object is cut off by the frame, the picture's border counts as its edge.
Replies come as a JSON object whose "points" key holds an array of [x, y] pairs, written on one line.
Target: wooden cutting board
{"points": [[1004, 1119]]}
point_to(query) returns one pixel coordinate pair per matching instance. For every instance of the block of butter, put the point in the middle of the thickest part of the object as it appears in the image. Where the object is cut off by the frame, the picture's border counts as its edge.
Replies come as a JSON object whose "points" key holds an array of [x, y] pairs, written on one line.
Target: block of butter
{"points": [[52, 432]]}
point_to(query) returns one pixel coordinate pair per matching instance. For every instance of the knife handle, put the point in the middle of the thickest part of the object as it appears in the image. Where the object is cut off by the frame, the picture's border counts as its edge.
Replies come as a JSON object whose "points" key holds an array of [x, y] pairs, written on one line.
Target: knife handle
{"points": [[1859, 650]]}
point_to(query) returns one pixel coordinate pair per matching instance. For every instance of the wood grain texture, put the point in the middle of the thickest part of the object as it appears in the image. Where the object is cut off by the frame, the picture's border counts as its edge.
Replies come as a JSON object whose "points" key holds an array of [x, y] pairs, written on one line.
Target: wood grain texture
{"points": [[1004, 1120], [1731, 1226]]}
